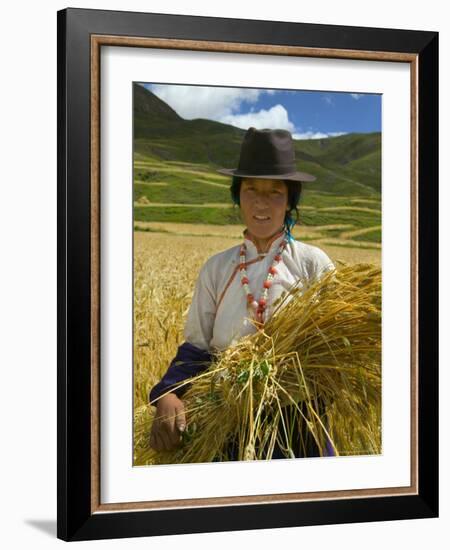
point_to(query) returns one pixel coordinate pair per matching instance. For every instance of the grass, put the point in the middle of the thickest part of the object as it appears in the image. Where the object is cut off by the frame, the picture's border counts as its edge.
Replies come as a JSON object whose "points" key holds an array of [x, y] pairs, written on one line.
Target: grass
{"points": [[222, 216], [372, 236], [168, 183], [338, 198], [185, 214]]}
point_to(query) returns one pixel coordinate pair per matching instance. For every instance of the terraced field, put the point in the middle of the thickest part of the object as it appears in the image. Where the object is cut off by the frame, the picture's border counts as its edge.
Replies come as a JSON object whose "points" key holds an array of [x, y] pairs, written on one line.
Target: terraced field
{"points": [[172, 194]]}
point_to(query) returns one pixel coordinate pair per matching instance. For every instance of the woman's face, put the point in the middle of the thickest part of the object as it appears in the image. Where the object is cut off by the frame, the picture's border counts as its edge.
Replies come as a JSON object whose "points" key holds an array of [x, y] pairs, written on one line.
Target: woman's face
{"points": [[263, 205]]}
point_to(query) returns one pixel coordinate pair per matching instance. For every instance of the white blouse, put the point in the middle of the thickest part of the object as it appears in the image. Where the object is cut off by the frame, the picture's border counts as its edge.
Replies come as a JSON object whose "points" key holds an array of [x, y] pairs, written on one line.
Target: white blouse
{"points": [[218, 315]]}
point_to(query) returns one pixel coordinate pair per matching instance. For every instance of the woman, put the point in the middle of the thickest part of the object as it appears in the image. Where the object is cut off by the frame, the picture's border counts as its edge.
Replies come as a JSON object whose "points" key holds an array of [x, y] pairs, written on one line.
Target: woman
{"points": [[244, 280]]}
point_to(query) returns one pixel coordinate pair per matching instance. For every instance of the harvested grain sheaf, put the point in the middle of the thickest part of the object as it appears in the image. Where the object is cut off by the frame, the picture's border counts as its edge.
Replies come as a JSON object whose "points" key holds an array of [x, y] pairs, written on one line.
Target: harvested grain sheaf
{"points": [[319, 351]]}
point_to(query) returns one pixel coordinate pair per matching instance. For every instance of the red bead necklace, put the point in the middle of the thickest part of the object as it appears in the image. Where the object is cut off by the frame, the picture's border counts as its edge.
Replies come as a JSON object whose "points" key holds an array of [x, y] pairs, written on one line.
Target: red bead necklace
{"points": [[259, 306]]}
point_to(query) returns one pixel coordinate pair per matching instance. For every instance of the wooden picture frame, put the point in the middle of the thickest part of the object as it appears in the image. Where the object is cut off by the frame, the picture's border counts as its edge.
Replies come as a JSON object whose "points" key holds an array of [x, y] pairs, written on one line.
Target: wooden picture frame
{"points": [[81, 36]]}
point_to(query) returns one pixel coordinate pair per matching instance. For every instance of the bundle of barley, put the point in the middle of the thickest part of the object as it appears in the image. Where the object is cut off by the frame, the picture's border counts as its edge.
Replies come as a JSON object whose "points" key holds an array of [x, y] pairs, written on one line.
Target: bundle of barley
{"points": [[314, 369]]}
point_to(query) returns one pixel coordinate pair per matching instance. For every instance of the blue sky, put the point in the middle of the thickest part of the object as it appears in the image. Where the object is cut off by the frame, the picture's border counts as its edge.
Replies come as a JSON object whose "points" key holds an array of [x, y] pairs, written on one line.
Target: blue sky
{"points": [[307, 115]]}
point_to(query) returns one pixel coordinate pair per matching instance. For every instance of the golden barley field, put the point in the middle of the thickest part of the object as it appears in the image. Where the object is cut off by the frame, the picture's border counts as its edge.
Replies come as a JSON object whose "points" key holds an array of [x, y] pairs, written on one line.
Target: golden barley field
{"points": [[167, 259]]}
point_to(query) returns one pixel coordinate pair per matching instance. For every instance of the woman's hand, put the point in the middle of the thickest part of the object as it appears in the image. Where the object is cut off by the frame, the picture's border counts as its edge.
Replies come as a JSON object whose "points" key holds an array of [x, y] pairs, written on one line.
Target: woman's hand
{"points": [[169, 422]]}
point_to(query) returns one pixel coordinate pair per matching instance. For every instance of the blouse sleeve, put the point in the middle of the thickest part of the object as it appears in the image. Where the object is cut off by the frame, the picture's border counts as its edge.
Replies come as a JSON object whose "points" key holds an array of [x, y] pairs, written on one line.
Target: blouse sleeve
{"points": [[193, 355], [199, 325], [188, 362], [322, 264]]}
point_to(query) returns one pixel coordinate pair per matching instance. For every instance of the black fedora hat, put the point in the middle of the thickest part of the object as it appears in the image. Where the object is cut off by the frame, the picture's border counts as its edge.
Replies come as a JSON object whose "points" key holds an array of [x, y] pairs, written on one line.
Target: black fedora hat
{"points": [[267, 154]]}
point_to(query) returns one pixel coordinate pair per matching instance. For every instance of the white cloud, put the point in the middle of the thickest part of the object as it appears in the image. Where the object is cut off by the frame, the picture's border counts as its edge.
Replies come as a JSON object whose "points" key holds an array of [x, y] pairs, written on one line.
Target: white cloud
{"points": [[214, 103], [275, 117], [328, 99], [356, 96], [223, 105], [317, 135]]}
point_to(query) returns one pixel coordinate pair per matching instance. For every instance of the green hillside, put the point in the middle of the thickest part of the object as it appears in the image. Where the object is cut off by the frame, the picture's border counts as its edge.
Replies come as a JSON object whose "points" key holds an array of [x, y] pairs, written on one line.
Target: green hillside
{"points": [[175, 163]]}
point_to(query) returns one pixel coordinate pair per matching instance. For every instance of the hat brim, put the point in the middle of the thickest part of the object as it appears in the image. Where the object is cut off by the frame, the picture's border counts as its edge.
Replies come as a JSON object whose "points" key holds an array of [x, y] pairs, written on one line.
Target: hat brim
{"points": [[293, 176]]}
